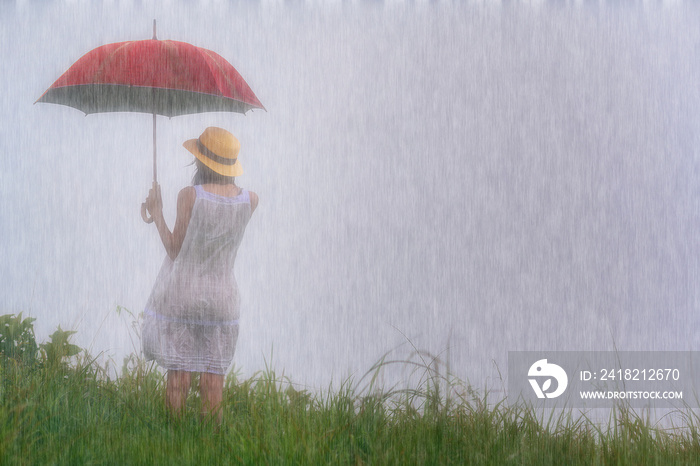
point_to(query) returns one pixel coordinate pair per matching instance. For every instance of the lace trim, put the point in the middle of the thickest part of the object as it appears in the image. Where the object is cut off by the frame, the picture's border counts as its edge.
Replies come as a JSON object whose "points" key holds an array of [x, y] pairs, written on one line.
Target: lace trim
{"points": [[155, 315], [242, 198]]}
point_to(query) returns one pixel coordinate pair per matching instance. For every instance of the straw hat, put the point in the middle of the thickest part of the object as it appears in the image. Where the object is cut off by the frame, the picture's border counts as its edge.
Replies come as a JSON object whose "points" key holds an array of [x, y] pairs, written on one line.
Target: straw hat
{"points": [[217, 149]]}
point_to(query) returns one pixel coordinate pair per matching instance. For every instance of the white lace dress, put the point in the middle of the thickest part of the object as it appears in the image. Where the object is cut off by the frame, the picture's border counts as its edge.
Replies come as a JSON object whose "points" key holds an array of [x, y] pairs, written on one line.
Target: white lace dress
{"points": [[191, 318]]}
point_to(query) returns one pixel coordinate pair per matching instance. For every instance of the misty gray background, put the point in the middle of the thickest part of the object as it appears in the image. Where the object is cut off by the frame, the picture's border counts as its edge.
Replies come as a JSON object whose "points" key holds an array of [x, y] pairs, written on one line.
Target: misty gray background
{"points": [[475, 177]]}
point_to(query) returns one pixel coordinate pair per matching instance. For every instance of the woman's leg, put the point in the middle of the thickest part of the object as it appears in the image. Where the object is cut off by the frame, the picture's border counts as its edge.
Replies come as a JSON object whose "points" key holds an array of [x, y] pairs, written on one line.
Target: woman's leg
{"points": [[176, 391], [211, 389]]}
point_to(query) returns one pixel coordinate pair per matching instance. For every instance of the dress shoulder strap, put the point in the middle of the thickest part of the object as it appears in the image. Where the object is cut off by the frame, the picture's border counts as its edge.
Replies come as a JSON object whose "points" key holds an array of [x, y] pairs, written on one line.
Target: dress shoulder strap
{"points": [[244, 195]]}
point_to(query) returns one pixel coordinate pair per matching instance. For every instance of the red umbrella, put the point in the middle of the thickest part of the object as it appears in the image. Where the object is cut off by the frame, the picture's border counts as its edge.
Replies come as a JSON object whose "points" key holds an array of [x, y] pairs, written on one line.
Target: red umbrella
{"points": [[160, 77]]}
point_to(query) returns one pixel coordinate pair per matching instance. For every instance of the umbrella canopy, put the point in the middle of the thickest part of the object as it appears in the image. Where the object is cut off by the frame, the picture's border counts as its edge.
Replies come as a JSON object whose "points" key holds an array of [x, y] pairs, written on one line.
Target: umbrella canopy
{"points": [[164, 77]]}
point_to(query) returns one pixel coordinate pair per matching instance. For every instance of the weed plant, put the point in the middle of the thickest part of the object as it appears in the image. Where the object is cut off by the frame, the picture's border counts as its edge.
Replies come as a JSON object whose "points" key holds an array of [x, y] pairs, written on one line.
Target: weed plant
{"points": [[57, 406]]}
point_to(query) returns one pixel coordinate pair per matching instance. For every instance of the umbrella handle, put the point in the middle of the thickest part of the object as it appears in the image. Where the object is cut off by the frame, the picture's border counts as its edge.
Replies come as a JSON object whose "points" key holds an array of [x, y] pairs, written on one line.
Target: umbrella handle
{"points": [[144, 214]]}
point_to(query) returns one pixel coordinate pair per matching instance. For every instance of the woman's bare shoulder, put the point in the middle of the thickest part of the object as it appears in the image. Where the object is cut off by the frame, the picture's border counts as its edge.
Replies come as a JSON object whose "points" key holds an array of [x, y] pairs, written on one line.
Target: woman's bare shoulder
{"points": [[254, 199], [188, 192], [186, 196]]}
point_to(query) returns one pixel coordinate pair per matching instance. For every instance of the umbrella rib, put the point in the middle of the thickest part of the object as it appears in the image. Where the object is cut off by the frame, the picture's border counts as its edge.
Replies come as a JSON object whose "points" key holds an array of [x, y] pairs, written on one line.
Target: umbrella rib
{"points": [[100, 71], [208, 58], [214, 59]]}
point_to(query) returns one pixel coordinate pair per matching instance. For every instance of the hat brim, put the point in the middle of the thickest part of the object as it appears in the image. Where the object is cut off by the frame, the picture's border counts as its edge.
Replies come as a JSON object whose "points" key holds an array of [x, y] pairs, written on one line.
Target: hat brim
{"points": [[226, 170]]}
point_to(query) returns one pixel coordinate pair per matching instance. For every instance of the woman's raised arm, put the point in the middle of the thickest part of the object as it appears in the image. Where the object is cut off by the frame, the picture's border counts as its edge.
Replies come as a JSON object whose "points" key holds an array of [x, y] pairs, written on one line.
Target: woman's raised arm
{"points": [[185, 201]]}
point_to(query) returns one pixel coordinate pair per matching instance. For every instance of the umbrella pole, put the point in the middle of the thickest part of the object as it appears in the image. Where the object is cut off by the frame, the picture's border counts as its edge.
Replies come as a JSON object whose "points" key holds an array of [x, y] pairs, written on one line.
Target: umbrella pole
{"points": [[144, 211], [155, 169], [155, 176]]}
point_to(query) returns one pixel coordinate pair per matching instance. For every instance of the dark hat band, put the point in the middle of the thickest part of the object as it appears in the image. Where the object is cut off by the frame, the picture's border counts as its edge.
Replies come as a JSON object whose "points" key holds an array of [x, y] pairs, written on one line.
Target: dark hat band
{"points": [[210, 155]]}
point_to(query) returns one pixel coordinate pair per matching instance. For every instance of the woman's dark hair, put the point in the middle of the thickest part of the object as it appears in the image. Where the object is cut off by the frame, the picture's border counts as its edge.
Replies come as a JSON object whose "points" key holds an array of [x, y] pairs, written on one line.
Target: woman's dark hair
{"points": [[205, 175]]}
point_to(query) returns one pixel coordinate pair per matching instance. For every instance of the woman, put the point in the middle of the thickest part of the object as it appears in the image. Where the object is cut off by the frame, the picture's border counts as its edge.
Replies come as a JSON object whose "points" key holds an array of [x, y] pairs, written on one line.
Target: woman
{"points": [[191, 318]]}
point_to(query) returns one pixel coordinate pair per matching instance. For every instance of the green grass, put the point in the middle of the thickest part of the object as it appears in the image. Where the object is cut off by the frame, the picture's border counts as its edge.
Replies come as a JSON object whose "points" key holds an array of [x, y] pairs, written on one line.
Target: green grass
{"points": [[52, 412]]}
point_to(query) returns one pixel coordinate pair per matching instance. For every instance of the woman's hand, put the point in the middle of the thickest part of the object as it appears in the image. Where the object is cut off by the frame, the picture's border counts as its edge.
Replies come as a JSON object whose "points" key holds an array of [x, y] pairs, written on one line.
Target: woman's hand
{"points": [[154, 202]]}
